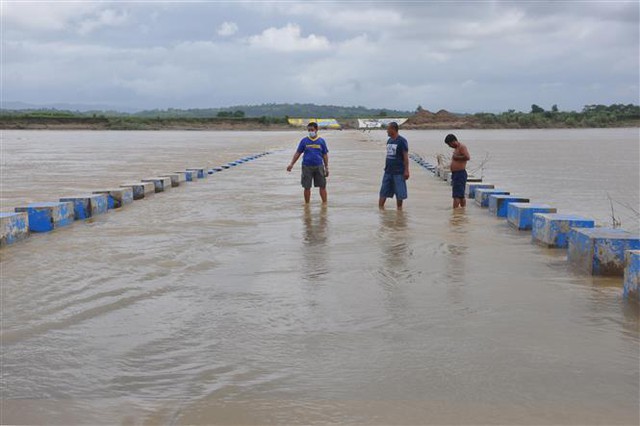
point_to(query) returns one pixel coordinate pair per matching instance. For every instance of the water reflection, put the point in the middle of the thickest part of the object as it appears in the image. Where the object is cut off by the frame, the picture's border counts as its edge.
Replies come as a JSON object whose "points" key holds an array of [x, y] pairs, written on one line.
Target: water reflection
{"points": [[393, 236], [456, 254], [315, 243]]}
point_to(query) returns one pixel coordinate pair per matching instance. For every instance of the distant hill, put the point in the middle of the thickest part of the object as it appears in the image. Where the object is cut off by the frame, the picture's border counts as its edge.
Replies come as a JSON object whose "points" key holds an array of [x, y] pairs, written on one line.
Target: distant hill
{"points": [[78, 108], [280, 110], [250, 111]]}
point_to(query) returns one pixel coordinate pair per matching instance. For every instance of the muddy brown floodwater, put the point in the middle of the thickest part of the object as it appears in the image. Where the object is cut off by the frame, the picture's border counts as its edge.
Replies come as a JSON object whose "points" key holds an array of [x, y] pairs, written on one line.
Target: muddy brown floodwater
{"points": [[227, 301]]}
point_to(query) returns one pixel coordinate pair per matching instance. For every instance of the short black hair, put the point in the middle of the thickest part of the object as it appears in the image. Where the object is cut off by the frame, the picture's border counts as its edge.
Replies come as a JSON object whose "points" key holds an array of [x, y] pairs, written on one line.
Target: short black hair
{"points": [[313, 124], [450, 138], [393, 125]]}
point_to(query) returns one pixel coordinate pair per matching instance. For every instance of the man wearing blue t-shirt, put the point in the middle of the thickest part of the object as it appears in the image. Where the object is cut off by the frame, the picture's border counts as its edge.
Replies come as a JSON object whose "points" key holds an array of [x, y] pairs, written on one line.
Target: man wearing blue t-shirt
{"points": [[315, 163], [396, 170]]}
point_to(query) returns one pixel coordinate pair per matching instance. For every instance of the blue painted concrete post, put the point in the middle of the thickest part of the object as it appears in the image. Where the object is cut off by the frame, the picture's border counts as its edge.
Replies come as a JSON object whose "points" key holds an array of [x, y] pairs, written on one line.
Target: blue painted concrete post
{"points": [[191, 175], [520, 215], [482, 195], [470, 190], [600, 251], [117, 197], [161, 183], [45, 217], [86, 206], [176, 178], [552, 229], [201, 173], [166, 183], [499, 203], [183, 176], [13, 227], [140, 189], [632, 275]]}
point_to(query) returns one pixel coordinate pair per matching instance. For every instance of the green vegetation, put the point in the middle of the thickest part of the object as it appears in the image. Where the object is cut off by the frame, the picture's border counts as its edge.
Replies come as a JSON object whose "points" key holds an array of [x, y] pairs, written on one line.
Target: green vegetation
{"points": [[615, 115], [276, 110], [70, 120], [230, 114]]}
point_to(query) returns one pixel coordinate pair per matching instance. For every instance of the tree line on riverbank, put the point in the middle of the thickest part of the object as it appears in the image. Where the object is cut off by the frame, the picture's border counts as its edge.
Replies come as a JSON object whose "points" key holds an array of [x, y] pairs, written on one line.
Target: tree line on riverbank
{"points": [[615, 115]]}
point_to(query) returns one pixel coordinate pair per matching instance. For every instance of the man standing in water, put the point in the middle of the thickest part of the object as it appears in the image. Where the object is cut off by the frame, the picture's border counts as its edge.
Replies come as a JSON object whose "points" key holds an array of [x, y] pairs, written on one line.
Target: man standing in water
{"points": [[458, 170], [396, 169], [315, 163]]}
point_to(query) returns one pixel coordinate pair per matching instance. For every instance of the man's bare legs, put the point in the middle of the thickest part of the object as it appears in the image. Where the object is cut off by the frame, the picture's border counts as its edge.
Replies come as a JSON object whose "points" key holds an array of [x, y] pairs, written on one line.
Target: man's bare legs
{"points": [[459, 202], [382, 200], [323, 195]]}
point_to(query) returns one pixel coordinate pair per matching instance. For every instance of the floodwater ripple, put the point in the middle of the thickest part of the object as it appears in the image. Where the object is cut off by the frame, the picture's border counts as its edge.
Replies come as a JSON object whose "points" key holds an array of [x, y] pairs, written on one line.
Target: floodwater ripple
{"points": [[229, 301]]}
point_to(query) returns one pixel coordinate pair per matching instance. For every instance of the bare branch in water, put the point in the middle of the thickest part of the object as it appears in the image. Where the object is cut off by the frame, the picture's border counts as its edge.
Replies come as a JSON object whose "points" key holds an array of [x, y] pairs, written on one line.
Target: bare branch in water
{"points": [[637, 213], [615, 222], [480, 167]]}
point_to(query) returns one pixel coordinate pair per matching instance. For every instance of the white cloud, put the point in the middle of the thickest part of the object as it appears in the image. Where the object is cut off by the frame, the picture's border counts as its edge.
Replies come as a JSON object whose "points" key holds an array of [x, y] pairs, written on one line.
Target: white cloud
{"points": [[288, 39], [498, 26], [458, 56], [39, 17], [227, 29], [104, 18], [360, 17]]}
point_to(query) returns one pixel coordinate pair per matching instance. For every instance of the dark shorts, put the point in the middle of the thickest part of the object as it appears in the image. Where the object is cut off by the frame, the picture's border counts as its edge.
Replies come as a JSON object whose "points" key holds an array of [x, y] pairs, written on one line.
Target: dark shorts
{"points": [[458, 183], [315, 174], [393, 185]]}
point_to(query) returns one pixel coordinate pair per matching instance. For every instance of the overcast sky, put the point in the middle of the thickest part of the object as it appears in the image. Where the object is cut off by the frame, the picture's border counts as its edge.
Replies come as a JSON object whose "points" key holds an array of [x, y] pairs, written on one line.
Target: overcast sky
{"points": [[460, 56]]}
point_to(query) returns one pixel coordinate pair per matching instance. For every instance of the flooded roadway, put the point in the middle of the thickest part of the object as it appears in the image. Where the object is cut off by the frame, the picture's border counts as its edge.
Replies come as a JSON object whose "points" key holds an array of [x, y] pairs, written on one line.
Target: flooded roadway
{"points": [[227, 301]]}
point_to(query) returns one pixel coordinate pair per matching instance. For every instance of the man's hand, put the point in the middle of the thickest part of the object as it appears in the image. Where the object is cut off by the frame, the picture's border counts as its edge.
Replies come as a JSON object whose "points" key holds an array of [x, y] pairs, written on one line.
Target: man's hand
{"points": [[326, 172], [289, 167], [406, 174]]}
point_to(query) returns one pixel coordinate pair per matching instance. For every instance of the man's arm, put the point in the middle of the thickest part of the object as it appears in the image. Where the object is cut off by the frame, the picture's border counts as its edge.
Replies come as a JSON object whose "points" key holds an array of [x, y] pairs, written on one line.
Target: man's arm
{"points": [[325, 158], [405, 160], [293, 160]]}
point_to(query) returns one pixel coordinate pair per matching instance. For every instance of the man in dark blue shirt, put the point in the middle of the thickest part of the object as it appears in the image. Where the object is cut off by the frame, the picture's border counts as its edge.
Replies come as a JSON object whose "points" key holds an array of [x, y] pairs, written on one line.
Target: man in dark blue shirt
{"points": [[315, 163], [396, 170]]}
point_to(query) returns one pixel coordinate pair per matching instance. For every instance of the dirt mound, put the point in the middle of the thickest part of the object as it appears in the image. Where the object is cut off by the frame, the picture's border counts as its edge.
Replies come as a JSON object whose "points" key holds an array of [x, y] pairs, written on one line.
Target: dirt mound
{"points": [[421, 117], [427, 117], [444, 116], [441, 119]]}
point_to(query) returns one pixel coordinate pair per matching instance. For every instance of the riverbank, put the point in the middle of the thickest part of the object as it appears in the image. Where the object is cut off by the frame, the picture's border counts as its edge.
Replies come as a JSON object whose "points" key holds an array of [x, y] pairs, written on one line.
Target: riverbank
{"points": [[263, 123], [136, 123]]}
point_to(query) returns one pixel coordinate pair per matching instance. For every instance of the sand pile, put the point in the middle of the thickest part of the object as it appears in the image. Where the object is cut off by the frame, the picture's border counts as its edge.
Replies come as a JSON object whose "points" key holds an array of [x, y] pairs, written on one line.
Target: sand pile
{"points": [[425, 119]]}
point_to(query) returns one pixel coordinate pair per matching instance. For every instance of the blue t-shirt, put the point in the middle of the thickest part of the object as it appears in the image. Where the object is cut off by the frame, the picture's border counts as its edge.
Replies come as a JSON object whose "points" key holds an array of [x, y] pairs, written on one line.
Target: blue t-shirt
{"points": [[395, 160], [313, 150]]}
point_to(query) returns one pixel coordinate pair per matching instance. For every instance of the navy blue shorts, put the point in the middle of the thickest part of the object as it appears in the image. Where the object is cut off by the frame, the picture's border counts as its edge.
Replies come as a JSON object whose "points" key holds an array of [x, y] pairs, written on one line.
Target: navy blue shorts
{"points": [[393, 185], [458, 183]]}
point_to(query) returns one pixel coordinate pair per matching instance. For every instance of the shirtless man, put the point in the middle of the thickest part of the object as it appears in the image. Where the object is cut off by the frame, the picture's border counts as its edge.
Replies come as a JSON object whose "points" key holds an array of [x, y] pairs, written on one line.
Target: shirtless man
{"points": [[458, 170]]}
